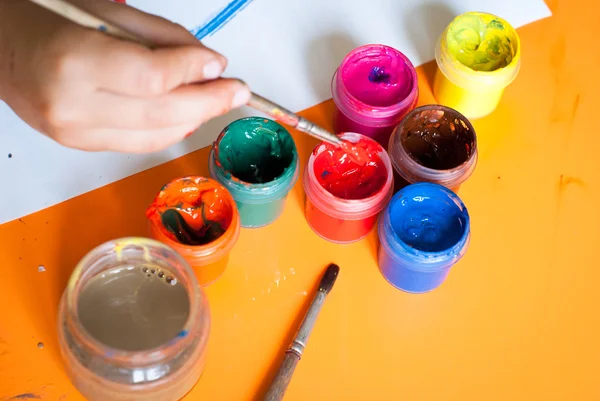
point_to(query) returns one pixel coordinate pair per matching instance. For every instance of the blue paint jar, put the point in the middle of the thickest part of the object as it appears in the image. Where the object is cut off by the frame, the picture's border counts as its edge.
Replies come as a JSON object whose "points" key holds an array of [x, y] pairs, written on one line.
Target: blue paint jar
{"points": [[423, 232], [256, 160]]}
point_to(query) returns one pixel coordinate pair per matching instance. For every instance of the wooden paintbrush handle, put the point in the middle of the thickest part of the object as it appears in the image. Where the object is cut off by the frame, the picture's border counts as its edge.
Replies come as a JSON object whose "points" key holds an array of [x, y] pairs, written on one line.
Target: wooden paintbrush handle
{"points": [[83, 18], [283, 378]]}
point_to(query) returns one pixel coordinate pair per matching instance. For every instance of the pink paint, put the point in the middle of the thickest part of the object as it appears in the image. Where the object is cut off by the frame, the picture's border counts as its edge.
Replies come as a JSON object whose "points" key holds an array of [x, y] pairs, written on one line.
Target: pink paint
{"points": [[374, 87]]}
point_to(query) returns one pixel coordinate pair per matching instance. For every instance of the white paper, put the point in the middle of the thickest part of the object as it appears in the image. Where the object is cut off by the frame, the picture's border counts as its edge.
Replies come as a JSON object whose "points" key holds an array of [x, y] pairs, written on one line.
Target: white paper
{"points": [[286, 50]]}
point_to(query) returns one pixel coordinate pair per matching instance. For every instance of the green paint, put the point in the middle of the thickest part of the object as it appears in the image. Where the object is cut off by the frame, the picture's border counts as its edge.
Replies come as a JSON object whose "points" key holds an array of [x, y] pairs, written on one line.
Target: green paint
{"points": [[256, 150], [482, 42], [173, 221]]}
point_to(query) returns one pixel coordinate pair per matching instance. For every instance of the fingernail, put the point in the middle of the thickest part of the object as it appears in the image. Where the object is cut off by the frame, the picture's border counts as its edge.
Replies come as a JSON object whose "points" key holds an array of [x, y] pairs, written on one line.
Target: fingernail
{"points": [[212, 70], [240, 98]]}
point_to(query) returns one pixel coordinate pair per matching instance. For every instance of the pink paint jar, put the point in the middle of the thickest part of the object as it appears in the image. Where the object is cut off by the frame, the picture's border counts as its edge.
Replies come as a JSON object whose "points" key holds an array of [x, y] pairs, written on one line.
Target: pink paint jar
{"points": [[373, 88], [343, 199]]}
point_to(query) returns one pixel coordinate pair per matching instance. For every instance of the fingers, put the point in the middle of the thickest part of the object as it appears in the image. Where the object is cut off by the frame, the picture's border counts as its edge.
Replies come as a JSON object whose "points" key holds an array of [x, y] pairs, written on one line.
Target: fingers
{"points": [[150, 27], [128, 141], [127, 68], [191, 104]]}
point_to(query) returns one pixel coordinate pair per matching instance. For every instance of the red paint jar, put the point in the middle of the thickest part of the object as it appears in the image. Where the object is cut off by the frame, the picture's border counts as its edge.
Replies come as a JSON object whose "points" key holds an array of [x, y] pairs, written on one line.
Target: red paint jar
{"points": [[340, 211]]}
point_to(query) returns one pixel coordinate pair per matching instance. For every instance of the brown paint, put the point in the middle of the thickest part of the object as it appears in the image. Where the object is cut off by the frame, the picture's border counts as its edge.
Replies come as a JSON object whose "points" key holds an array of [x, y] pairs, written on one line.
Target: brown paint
{"points": [[438, 139]]}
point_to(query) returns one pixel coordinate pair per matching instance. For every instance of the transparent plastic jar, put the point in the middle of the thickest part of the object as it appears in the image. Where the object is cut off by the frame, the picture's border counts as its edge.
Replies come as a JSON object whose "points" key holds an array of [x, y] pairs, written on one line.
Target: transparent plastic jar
{"points": [[423, 232], [104, 373], [249, 145], [342, 220], [452, 132], [465, 86], [209, 260], [373, 88]]}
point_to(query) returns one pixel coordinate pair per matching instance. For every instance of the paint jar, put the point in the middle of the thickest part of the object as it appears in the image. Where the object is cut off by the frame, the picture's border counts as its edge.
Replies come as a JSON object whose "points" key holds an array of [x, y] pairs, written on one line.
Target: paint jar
{"points": [[433, 144], [198, 218], [374, 87], [478, 55], [256, 160], [133, 323], [343, 199], [423, 232]]}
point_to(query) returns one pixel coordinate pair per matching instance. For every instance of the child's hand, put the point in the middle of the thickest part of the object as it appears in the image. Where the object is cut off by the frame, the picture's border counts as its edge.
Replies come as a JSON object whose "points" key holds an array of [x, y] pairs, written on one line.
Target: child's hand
{"points": [[90, 91]]}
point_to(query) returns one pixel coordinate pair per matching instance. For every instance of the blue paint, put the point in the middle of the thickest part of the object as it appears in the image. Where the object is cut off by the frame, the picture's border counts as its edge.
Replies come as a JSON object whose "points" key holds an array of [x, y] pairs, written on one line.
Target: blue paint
{"points": [[102, 28], [182, 333], [423, 232], [259, 204], [378, 75], [216, 22]]}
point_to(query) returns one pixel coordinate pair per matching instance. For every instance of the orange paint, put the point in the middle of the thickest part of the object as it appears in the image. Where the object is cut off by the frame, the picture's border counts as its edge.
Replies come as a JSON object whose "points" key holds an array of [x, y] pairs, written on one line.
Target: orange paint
{"points": [[516, 320], [203, 204]]}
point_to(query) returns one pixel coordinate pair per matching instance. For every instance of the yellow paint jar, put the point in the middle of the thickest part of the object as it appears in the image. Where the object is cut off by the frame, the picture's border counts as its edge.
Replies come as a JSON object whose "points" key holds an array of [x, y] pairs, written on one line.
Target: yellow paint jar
{"points": [[478, 55]]}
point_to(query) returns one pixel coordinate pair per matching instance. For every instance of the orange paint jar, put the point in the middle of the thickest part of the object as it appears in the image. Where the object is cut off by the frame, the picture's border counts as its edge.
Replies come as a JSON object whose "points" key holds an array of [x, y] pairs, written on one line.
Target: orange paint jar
{"points": [[197, 217]]}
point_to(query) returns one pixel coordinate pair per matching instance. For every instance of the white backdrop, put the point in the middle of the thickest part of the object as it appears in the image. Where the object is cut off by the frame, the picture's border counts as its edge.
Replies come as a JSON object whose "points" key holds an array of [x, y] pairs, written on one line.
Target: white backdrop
{"points": [[286, 50]]}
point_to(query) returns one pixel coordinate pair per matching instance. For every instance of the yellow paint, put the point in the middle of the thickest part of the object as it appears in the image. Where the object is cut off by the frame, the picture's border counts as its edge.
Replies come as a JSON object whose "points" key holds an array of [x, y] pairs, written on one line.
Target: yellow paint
{"points": [[481, 42], [478, 56], [134, 241]]}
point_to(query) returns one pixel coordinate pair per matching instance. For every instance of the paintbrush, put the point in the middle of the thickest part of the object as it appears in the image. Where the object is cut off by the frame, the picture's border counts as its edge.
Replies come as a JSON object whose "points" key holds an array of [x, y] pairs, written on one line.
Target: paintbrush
{"points": [[85, 19], [294, 352], [285, 116]]}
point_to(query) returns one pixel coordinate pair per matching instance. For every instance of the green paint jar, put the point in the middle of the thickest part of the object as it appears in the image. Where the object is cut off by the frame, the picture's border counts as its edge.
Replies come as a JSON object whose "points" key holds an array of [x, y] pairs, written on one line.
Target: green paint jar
{"points": [[256, 160]]}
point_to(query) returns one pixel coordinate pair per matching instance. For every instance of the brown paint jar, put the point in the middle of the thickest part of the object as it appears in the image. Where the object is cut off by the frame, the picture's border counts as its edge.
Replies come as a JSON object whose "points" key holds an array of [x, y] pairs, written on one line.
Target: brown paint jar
{"points": [[435, 144]]}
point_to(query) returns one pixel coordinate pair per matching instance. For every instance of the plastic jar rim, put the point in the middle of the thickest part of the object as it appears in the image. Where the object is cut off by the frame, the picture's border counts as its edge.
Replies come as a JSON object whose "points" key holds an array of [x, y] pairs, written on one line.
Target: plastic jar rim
{"points": [[348, 209], [401, 251], [145, 357], [413, 172], [256, 193], [468, 78], [343, 98]]}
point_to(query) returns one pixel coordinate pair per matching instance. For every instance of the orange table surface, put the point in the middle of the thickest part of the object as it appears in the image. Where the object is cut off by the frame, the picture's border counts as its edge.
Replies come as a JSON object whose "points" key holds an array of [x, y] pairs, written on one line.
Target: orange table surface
{"points": [[517, 319]]}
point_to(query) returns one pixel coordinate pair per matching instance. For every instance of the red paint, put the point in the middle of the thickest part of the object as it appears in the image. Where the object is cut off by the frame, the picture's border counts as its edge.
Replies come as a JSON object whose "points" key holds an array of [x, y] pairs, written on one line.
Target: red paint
{"points": [[361, 151], [345, 194], [357, 174]]}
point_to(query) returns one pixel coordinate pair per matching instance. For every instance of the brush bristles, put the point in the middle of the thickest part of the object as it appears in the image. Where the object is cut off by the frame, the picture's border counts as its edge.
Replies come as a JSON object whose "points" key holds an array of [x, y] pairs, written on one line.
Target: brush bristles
{"points": [[329, 278]]}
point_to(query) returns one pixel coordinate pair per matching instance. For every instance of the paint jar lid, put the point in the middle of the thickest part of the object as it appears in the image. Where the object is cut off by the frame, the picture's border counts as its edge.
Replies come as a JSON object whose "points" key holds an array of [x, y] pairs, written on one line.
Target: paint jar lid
{"points": [[348, 209], [425, 247], [468, 78]]}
